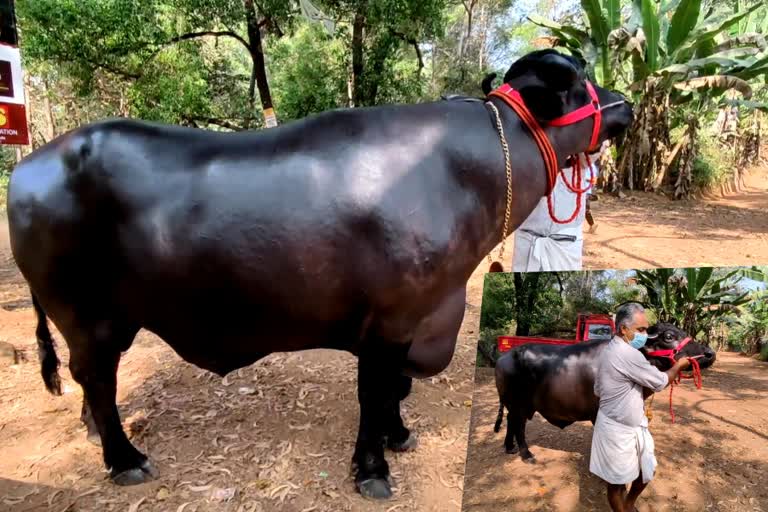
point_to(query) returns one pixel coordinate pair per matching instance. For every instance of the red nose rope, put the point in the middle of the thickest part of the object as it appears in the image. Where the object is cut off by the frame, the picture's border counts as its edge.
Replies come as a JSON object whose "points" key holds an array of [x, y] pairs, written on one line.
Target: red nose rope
{"points": [[695, 370], [512, 98]]}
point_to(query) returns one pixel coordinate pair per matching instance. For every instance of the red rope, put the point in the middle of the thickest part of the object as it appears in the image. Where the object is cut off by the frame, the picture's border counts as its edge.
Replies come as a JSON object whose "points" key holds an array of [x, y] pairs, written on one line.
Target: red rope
{"points": [[515, 101], [695, 375]]}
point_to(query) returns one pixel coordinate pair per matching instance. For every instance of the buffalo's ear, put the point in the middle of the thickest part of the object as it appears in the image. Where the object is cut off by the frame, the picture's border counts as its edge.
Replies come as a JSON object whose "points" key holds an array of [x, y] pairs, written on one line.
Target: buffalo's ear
{"points": [[557, 71], [544, 103], [487, 83]]}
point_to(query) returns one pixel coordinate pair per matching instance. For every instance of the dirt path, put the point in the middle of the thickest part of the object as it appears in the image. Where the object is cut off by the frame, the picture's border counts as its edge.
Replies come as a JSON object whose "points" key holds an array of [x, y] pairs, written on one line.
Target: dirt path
{"points": [[280, 433], [646, 230], [714, 457]]}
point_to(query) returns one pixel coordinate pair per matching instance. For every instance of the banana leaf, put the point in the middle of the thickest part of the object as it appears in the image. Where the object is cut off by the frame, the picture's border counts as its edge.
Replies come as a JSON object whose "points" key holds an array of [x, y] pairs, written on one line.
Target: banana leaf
{"points": [[749, 105], [755, 274], [612, 13], [702, 279], [668, 6], [571, 31], [597, 22], [716, 24], [651, 29], [718, 84], [727, 59], [755, 69], [691, 289], [752, 39], [683, 21]]}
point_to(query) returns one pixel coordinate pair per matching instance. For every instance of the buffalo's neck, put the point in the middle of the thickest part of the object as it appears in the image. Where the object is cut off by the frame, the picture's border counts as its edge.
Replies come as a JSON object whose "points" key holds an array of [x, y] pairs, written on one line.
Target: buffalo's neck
{"points": [[479, 149]]}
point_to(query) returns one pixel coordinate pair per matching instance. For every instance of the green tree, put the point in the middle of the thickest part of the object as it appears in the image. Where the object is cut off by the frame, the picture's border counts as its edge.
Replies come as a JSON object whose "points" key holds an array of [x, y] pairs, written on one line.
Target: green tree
{"points": [[695, 299], [677, 58], [145, 43]]}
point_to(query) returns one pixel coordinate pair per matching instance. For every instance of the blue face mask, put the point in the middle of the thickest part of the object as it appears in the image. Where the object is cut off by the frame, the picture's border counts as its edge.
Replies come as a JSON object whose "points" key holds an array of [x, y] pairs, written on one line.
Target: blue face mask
{"points": [[639, 340]]}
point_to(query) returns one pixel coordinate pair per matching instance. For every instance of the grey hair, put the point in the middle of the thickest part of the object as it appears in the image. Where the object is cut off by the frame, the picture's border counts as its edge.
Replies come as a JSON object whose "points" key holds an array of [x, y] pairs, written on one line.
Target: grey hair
{"points": [[626, 313]]}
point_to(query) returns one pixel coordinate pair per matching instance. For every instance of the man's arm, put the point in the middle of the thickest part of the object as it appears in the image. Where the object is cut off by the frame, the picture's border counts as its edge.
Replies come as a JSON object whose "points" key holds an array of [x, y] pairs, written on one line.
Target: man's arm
{"points": [[680, 365]]}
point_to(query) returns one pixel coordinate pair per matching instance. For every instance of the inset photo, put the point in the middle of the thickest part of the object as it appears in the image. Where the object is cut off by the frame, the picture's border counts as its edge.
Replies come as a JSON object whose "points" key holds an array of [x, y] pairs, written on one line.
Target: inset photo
{"points": [[621, 390]]}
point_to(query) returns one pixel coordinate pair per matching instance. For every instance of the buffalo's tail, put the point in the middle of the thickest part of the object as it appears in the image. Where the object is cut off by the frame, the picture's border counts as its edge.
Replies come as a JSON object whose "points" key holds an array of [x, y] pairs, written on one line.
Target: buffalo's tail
{"points": [[499, 418], [49, 361]]}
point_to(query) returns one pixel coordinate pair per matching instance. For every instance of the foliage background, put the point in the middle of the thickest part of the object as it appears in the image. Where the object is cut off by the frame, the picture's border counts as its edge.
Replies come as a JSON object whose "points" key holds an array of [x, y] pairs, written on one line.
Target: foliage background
{"points": [[721, 307]]}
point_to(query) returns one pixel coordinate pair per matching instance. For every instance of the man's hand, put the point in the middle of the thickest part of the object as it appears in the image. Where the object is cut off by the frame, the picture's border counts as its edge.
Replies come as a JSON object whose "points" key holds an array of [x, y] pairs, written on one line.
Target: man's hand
{"points": [[680, 365]]}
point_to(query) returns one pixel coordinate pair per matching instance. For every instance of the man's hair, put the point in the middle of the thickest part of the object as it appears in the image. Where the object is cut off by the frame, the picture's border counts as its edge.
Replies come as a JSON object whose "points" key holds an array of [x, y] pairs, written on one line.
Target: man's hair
{"points": [[626, 314]]}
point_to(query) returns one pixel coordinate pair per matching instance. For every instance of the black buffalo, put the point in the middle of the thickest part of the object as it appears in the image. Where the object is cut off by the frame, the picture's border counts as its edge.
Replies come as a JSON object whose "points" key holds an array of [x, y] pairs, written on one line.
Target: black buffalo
{"points": [[354, 229], [558, 381]]}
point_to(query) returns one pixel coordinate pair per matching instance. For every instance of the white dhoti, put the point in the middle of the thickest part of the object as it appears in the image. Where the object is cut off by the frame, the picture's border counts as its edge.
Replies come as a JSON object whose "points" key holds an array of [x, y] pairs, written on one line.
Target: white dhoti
{"points": [[620, 452], [537, 252], [542, 245]]}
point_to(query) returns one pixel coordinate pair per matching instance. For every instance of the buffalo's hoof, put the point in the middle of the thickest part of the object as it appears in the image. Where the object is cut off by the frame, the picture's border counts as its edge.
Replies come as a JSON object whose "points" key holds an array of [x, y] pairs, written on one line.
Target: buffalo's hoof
{"points": [[529, 459], [375, 488], [404, 446], [141, 475], [512, 450], [94, 439]]}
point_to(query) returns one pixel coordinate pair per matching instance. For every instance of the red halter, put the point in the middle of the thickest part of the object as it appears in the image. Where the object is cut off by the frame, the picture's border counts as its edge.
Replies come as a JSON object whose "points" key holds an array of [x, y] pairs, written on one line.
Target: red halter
{"points": [[513, 98], [592, 109], [670, 353], [695, 370]]}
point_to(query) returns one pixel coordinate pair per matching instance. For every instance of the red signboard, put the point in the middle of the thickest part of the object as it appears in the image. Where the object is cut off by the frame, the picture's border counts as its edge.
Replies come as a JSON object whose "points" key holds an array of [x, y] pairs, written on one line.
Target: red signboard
{"points": [[13, 124], [13, 112]]}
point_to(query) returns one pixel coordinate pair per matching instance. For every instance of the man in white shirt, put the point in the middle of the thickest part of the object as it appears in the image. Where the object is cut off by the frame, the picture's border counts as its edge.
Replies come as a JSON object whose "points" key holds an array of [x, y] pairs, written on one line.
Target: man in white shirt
{"points": [[622, 446], [541, 244]]}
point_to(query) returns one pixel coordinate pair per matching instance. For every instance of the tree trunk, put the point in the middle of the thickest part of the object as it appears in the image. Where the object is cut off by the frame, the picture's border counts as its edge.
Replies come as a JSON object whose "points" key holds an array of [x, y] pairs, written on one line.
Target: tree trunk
{"points": [[469, 7], [50, 128], [358, 26], [526, 291], [483, 36], [259, 70]]}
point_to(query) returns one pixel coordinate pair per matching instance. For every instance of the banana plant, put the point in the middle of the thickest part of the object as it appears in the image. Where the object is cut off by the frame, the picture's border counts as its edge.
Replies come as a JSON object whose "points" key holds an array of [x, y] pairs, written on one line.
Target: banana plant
{"points": [[696, 298], [669, 39]]}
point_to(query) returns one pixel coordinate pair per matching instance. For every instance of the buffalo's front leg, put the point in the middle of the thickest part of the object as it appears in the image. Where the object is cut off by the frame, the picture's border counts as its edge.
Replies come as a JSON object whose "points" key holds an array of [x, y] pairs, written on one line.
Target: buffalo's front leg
{"points": [[398, 437], [87, 418], [525, 453], [379, 388]]}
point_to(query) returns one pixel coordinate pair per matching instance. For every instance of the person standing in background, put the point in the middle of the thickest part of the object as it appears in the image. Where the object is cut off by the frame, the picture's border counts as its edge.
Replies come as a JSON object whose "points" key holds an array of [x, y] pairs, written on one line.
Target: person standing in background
{"points": [[541, 244]]}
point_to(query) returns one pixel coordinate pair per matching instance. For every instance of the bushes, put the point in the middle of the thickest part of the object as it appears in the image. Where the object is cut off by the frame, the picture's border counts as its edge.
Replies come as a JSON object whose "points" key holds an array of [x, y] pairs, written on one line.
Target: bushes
{"points": [[711, 168]]}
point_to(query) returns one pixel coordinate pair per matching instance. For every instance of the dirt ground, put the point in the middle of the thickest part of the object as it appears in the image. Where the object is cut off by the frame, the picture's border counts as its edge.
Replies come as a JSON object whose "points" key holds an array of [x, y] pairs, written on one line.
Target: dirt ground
{"points": [[278, 435], [644, 230], [714, 457]]}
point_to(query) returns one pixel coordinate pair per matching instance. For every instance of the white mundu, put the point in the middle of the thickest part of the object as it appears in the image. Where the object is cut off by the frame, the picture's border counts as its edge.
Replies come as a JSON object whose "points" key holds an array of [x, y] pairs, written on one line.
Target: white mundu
{"points": [[541, 244], [622, 446]]}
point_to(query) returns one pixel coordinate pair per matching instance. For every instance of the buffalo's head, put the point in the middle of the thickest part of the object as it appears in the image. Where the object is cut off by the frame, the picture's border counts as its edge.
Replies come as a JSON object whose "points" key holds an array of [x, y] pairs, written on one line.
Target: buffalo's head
{"points": [[552, 85], [664, 336]]}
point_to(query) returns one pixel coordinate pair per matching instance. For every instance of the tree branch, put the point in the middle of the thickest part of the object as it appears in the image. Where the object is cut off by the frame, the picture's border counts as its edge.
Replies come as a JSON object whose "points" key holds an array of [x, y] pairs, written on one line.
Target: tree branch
{"points": [[413, 42], [223, 123], [207, 33]]}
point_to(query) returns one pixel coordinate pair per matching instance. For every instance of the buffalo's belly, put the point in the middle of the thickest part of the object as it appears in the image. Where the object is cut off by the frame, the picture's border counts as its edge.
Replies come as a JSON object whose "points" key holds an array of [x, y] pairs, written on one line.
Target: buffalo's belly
{"points": [[566, 398]]}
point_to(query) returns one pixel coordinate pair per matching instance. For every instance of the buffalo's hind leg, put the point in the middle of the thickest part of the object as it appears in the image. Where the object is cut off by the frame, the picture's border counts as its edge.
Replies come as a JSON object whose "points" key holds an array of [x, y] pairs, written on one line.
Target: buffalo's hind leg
{"points": [[380, 386], [94, 358], [509, 439], [525, 453]]}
